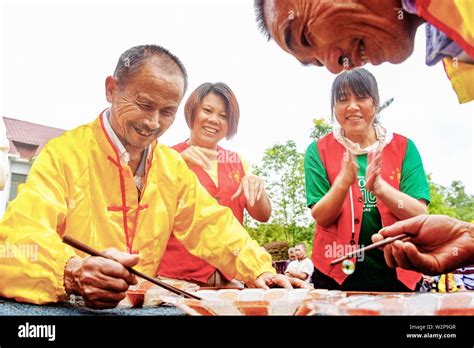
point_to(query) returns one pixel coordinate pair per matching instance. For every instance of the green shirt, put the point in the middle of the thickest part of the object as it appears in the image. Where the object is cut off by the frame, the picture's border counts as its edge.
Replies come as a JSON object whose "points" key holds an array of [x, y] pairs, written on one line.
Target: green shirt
{"points": [[373, 273]]}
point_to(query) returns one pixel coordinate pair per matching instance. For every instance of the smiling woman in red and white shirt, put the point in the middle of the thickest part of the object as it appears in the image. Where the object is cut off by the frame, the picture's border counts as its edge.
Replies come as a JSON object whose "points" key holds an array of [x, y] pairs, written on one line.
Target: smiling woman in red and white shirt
{"points": [[212, 114]]}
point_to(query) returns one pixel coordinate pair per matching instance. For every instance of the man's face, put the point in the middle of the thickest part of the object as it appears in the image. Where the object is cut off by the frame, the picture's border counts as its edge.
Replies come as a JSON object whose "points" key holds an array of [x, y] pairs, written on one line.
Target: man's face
{"points": [[300, 252], [341, 34], [145, 107]]}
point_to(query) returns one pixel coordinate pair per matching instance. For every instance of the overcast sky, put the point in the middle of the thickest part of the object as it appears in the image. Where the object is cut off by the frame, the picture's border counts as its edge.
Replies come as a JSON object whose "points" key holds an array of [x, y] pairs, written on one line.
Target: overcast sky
{"points": [[56, 56]]}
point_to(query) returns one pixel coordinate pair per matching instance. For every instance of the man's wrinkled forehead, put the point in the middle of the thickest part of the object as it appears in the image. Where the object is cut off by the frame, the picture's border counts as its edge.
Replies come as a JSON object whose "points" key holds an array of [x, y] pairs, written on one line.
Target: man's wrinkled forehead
{"points": [[276, 16], [277, 13], [154, 79]]}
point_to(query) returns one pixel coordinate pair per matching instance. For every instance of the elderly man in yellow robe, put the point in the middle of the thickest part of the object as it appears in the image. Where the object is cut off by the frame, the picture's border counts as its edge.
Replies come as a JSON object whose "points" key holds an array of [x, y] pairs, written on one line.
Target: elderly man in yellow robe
{"points": [[110, 185]]}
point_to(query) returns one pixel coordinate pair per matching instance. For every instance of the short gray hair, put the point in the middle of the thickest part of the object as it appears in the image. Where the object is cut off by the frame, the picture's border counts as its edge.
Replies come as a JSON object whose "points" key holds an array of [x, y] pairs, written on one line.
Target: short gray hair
{"points": [[132, 60], [302, 244]]}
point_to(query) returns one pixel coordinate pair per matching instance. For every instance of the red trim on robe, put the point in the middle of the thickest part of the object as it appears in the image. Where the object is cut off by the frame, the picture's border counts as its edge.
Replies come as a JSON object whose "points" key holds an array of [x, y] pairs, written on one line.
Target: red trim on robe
{"points": [[129, 234], [422, 11]]}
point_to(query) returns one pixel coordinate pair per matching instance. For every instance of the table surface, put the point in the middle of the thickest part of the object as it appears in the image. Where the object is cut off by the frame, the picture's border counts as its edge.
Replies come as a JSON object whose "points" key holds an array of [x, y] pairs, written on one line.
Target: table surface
{"points": [[75, 307]]}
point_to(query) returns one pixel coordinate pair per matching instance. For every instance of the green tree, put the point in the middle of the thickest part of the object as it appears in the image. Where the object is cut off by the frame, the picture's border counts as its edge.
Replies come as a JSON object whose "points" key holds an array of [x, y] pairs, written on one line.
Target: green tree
{"points": [[283, 172], [452, 201], [282, 169], [265, 233], [438, 204], [321, 128], [460, 201]]}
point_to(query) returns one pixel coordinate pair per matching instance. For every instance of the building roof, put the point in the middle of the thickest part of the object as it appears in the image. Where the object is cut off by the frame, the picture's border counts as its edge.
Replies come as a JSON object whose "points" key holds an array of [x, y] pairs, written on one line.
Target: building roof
{"points": [[27, 139]]}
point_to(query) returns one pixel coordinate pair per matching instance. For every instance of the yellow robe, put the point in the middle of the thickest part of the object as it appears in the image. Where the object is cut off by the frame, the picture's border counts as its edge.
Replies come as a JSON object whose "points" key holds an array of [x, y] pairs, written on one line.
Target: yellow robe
{"points": [[78, 187], [451, 281], [455, 18]]}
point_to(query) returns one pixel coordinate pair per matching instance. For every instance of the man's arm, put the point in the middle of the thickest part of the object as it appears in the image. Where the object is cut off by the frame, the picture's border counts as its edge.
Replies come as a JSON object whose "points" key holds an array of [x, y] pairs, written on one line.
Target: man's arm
{"points": [[30, 225], [102, 282], [212, 233], [438, 244], [37, 267], [306, 270], [299, 275]]}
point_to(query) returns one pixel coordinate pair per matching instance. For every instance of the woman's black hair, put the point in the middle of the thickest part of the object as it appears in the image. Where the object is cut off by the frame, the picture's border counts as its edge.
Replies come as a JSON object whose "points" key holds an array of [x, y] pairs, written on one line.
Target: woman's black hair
{"points": [[359, 82]]}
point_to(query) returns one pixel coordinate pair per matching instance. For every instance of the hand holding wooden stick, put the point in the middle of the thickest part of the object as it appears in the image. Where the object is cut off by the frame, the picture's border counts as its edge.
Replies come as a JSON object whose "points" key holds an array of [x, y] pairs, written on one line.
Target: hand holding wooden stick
{"points": [[88, 250], [369, 247]]}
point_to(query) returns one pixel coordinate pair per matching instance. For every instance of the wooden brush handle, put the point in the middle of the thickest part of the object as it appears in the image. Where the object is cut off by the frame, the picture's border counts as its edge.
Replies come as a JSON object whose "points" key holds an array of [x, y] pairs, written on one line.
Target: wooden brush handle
{"points": [[91, 251]]}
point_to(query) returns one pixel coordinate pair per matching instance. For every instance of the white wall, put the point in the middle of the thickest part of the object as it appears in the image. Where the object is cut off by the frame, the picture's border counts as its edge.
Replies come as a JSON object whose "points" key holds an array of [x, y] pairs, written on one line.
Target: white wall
{"points": [[17, 166]]}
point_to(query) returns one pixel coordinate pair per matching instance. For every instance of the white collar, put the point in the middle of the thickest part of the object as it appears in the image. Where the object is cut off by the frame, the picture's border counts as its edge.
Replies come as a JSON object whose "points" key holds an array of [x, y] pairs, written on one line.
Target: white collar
{"points": [[384, 137], [123, 153]]}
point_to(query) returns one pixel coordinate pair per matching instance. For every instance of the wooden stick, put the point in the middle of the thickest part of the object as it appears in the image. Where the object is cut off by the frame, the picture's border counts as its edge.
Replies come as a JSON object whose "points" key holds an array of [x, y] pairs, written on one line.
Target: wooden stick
{"points": [[369, 247], [88, 250]]}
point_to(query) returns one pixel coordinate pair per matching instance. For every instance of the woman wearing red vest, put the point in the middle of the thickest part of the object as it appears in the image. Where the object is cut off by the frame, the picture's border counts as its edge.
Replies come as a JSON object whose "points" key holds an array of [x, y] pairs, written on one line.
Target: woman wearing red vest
{"points": [[360, 178], [212, 114]]}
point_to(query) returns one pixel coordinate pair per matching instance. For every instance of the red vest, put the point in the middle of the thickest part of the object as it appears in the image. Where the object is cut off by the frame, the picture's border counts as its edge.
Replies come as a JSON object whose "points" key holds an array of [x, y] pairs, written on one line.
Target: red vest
{"points": [[329, 243], [177, 262]]}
